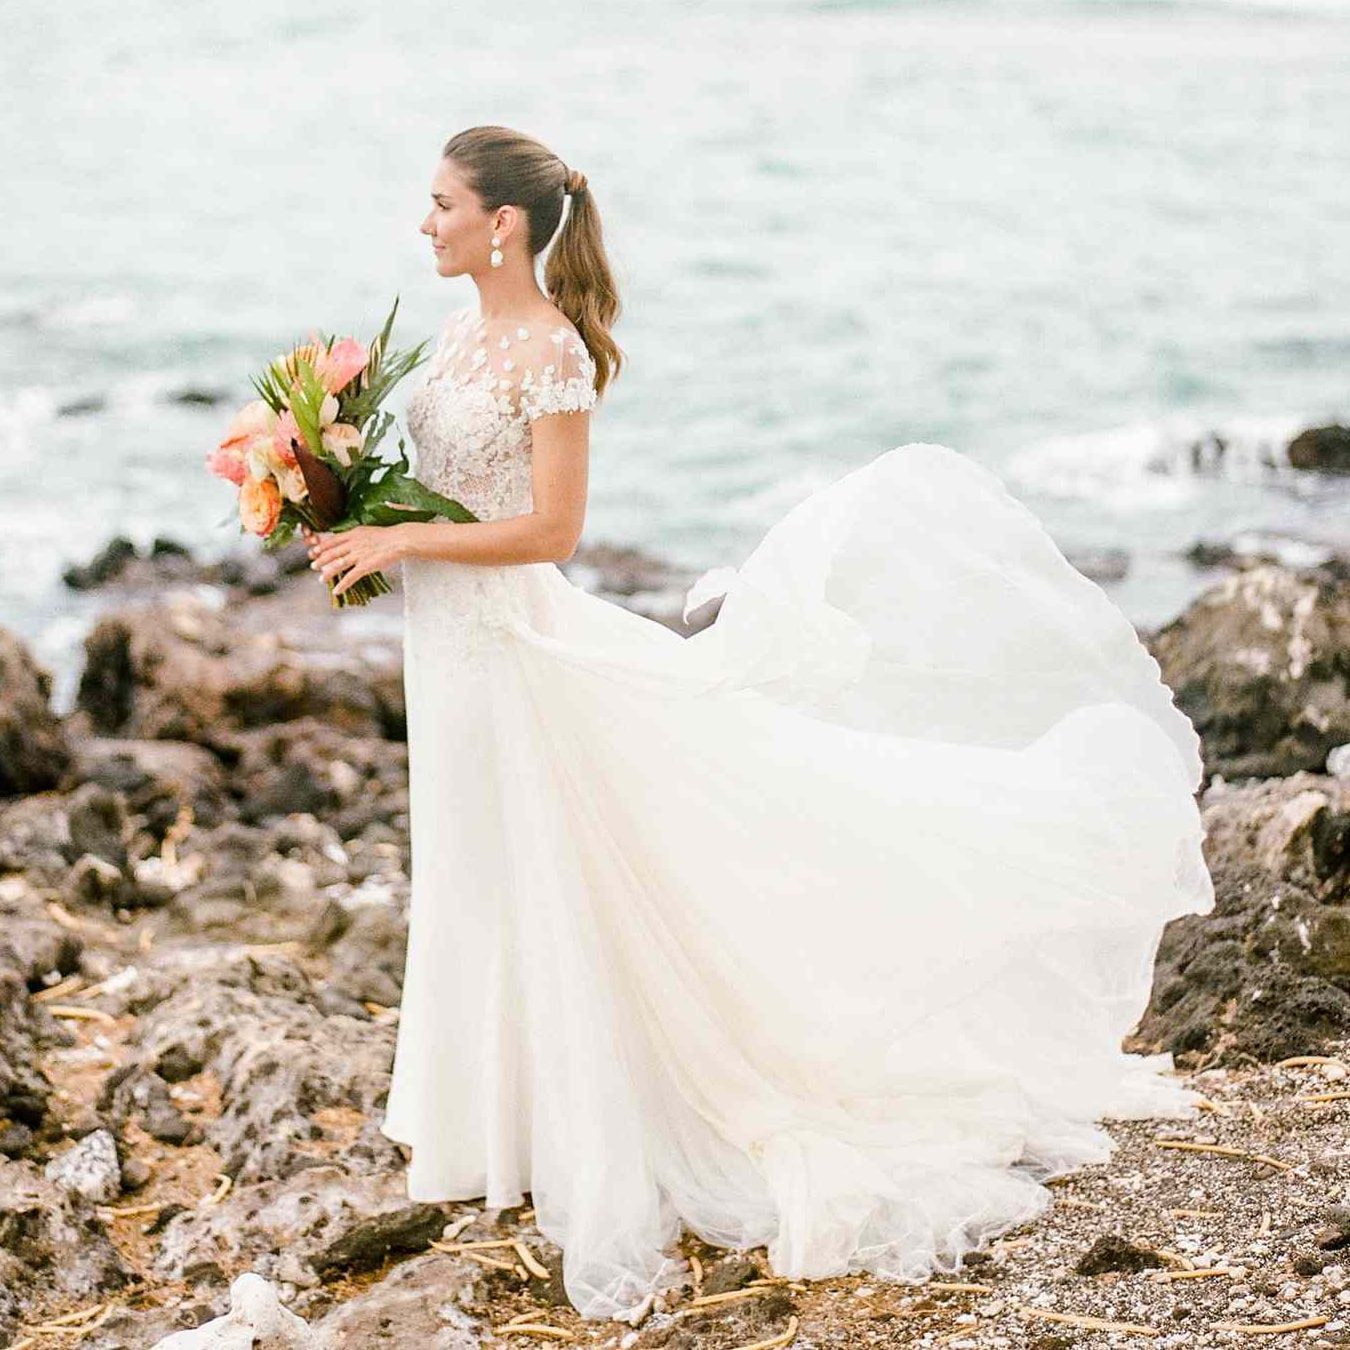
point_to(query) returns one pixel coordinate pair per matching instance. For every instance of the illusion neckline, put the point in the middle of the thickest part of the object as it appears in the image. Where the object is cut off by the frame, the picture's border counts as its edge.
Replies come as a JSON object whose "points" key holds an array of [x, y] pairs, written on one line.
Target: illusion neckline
{"points": [[475, 316]]}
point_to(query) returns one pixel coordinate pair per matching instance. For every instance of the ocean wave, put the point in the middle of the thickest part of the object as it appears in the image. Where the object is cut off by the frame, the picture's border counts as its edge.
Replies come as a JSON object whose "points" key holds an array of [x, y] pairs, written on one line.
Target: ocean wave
{"points": [[1158, 464]]}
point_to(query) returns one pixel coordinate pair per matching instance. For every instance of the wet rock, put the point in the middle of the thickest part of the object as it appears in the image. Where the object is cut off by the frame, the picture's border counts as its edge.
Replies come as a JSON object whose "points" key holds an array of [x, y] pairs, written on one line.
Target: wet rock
{"points": [[1325, 448], [1103, 565], [1265, 974], [120, 563], [180, 669], [1111, 1251], [1260, 662], [194, 396], [107, 564], [34, 744], [90, 1168], [256, 1321], [1264, 546]]}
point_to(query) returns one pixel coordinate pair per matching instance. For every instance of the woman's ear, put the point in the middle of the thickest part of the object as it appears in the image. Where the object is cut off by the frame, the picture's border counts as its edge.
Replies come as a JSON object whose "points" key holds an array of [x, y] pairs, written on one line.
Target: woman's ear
{"points": [[506, 219]]}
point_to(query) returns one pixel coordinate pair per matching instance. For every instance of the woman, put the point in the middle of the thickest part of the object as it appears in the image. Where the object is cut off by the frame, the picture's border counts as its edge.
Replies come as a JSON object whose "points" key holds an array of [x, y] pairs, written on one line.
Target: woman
{"points": [[819, 929]]}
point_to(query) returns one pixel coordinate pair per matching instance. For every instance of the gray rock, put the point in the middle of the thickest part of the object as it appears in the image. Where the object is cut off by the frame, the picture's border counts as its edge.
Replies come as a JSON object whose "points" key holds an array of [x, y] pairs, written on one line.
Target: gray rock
{"points": [[35, 839], [97, 820], [278, 1060], [421, 1302], [1265, 973], [90, 1168], [324, 1219], [1258, 662], [159, 779], [24, 1089], [50, 1241], [135, 1092]]}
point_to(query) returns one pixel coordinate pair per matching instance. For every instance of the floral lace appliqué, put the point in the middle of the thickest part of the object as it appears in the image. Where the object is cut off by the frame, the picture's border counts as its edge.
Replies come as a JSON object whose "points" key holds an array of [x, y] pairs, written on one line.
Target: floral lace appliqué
{"points": [[470, 421]]}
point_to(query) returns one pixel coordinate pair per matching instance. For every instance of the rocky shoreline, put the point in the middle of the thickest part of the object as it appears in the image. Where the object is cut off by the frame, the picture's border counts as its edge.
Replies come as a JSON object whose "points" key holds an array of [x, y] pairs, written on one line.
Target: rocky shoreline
{"points": [[203, 890]]}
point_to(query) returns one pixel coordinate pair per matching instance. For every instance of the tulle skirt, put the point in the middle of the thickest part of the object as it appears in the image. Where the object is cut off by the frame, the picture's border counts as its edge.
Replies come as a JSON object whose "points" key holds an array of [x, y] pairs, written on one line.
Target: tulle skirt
{"points": [[819, 929]]}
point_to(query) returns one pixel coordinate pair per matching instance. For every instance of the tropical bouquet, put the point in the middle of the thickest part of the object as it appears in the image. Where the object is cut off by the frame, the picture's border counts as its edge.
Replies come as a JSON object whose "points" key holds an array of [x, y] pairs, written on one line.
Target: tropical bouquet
{"points": [[302, 453]]}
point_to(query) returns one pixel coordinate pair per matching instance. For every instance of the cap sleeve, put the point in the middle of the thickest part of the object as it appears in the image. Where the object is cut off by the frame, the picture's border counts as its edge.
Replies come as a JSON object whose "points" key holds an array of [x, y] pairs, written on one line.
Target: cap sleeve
{"points": [[560, 378]]}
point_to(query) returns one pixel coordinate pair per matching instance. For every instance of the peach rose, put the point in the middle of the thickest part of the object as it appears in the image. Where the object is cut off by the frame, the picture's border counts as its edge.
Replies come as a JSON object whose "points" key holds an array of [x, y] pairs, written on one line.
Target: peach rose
{"points": [[227, 462], [250, 422], [259, 505], [343, 441], [291, 482]]}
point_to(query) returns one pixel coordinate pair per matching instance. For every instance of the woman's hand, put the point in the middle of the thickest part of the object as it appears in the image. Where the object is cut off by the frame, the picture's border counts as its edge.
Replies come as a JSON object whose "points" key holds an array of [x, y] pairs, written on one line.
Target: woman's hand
{"points": [[356, 552]]}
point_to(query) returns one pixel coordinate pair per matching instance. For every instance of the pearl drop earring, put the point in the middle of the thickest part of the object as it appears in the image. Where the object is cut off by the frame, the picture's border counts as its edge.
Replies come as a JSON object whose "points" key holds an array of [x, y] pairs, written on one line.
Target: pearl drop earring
{"points": [[496, 257]]}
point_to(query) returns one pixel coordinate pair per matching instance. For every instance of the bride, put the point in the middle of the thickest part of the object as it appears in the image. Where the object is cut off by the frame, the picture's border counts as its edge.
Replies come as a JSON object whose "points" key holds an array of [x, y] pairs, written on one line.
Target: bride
{"points": [[819, 929]]}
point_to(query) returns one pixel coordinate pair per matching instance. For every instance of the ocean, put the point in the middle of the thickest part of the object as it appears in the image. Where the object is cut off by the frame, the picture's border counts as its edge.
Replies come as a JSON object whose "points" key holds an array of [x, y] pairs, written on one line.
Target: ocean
{"points": [[1072, 240]]}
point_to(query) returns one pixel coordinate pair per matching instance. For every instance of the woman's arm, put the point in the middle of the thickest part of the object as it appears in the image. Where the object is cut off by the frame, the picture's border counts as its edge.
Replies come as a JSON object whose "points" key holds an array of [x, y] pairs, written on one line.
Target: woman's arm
{"points": [[548, 533]]}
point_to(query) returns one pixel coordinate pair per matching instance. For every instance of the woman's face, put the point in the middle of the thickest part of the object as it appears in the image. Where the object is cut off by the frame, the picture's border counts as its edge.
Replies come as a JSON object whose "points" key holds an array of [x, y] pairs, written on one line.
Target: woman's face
{"points": [[459, 229]]}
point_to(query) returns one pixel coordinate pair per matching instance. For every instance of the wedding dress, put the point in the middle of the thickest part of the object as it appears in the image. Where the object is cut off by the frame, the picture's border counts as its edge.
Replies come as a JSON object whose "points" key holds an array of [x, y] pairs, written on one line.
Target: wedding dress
{"points": [[818, 929]]}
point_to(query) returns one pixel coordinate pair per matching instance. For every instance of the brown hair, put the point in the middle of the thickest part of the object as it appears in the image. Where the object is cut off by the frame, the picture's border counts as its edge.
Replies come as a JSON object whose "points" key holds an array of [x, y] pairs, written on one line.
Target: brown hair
{"points": [[504, 167]]}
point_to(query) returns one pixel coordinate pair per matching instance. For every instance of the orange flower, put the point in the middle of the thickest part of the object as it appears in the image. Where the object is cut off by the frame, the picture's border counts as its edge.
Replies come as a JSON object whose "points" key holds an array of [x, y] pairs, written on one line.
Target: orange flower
{"points": [[260, 505]]}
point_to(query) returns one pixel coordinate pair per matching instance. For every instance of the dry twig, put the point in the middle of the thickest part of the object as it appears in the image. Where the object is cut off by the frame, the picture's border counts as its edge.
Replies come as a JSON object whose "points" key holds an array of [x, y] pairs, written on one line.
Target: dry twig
{"points": [[74, 1014], [1271, 1328], [529, 1262], [1224, 1152], [223, 1183], [1196, 1273], [1091, 1323], [784, 1337], [540, 1329]]}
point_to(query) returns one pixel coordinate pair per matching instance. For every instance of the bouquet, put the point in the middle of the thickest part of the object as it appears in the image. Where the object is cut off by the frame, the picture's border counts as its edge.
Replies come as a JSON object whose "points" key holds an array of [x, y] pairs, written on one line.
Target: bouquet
{"points": [[302, 453]]}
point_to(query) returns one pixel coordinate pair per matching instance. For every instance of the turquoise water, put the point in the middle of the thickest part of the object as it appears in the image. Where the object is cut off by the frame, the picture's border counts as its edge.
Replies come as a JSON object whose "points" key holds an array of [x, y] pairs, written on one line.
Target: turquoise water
{"points": [[1067, 239]]}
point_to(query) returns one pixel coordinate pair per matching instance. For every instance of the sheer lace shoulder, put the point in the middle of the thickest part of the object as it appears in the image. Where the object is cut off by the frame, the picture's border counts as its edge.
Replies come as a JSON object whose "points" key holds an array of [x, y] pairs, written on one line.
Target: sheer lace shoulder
{"points": [[560, 378], [533, 369]]}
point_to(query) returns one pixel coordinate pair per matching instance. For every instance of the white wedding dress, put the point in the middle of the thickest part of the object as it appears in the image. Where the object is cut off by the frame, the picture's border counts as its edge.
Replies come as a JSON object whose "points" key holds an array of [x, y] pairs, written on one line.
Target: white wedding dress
{"points": [[819, 929]]}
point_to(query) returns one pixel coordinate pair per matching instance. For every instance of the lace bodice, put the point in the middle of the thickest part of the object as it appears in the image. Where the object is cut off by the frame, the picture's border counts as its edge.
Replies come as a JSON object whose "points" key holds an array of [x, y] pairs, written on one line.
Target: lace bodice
{"points": [[486, 383], [471, 423]]}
